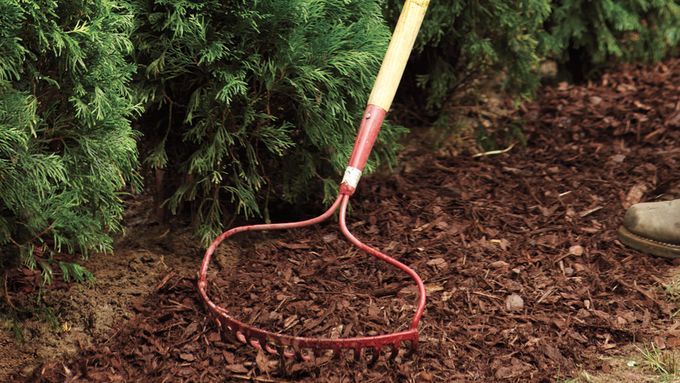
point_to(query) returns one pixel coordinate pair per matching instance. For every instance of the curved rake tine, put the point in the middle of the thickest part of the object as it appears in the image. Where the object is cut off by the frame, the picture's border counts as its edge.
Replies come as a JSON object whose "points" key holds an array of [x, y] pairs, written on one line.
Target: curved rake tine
{"points": [[241, 338], [271, 349]]}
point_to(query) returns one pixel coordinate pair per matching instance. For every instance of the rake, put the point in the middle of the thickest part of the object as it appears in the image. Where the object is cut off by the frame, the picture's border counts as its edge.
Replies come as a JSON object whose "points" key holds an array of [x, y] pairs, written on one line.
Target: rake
{"points": [[304, 348]]}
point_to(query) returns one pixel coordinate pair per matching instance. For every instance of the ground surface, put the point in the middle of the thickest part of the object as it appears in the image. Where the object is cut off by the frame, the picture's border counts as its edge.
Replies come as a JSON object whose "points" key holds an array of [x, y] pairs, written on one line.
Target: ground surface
{"points": [[537, 224]]}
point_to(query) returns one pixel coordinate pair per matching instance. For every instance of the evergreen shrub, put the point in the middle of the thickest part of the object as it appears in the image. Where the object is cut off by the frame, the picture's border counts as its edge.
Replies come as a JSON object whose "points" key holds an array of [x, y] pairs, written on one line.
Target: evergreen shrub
{"points": [[66, 145], [589, 34], [250, 102], [462, 41]]}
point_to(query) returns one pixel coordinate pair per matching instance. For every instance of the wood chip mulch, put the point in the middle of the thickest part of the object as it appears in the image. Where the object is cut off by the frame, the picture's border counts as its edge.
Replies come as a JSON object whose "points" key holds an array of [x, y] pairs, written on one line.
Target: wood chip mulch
{"points": [[526, 279]]}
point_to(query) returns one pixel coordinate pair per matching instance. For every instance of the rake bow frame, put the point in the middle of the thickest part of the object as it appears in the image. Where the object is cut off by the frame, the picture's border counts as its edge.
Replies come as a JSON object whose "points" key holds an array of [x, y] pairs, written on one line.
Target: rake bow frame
{"points": [[303, 348]]}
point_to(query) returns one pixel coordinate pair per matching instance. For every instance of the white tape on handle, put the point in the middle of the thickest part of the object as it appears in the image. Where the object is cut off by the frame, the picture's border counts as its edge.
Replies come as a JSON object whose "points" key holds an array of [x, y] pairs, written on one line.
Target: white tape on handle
{"points": [[352, 176]]}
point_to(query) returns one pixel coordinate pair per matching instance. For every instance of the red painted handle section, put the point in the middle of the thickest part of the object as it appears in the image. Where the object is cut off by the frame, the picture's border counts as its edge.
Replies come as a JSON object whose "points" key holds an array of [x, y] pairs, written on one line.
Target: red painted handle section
{"points": [[368, 132]]}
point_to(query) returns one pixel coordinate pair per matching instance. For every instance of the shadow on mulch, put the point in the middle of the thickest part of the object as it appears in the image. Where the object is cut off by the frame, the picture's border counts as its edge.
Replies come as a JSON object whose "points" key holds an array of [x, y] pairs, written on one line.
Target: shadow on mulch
{"points": [[537, 224]]}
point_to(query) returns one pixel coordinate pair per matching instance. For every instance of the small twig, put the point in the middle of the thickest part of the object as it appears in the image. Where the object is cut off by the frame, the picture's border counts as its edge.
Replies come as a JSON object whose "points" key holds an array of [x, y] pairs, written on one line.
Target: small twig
{"points": [[47, 229], [590, 211], [165, 280], [15, 243], [667, 152], [486, 295], [545, 295], [174, 302], [494, 152], [562, 257]]}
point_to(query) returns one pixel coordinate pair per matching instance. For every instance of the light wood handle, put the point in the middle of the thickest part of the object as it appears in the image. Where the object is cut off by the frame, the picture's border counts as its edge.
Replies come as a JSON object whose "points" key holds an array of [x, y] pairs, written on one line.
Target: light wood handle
{"points": [[397, 54]]}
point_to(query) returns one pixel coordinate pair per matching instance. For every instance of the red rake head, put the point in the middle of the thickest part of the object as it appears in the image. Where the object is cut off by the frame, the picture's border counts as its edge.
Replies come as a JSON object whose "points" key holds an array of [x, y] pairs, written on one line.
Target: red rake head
{"points": [[302, 348]]}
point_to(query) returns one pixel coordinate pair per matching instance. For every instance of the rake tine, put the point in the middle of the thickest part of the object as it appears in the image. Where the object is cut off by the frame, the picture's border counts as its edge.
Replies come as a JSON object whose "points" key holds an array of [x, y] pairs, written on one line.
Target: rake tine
{"points": [[217, 322], [288, 352], [255, 343], [245, 339], [268, 347], [240, 336], [357, 354]]}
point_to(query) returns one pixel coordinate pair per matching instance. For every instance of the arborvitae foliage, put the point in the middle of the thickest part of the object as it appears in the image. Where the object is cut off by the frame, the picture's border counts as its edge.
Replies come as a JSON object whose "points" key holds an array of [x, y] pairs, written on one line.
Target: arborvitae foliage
{"points": [[591, 33], [463, 40], [254, 101], [66, 145]]}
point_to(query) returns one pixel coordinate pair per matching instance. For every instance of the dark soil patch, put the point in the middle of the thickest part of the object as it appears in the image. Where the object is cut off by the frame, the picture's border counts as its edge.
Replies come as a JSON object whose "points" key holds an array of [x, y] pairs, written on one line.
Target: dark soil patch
{"points": [[538, 222]]}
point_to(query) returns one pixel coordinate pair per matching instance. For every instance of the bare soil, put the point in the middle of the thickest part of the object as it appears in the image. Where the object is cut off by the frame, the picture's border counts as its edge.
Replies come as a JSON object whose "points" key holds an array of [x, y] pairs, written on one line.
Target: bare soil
{"points": [[526, 279], [73, 316]]}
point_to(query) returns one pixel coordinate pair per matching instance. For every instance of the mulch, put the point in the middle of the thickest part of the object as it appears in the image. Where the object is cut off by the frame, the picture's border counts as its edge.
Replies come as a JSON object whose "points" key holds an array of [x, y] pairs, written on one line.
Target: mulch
{"points": [[526, 280]]}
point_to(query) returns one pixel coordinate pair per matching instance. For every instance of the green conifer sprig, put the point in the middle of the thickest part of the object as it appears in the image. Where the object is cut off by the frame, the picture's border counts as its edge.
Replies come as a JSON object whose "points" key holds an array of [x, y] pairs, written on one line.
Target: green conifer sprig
{"points": [[462, 41], [607, 31], [254, 101]]}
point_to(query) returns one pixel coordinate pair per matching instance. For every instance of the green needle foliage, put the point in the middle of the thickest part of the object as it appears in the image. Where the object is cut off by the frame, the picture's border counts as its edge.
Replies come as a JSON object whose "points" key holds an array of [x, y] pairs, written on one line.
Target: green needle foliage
{"points": [[463, 40], [252, 101], [591, 33], [66, 145]]}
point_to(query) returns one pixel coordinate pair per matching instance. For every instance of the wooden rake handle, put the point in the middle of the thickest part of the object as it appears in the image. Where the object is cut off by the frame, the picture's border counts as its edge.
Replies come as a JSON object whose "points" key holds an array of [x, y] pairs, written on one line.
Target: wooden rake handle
{"points": [[401, 44], [384, 89]]}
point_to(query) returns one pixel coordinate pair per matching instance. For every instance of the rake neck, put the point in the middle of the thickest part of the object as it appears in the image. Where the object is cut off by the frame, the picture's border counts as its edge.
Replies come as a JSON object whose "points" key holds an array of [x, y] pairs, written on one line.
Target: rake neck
{"points": [[368, 132]]}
